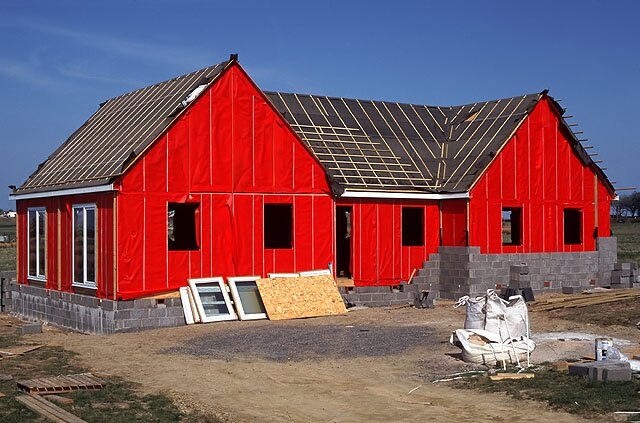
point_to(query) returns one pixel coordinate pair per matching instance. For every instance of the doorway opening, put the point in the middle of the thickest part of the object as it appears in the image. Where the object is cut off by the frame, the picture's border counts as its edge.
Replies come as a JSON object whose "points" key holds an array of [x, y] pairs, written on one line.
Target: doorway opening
{"points": [[343, 241]]}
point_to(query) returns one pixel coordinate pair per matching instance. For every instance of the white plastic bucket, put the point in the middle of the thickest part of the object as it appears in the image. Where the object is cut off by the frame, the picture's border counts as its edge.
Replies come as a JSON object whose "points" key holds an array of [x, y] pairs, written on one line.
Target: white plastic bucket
{"points": [[602, 348]]}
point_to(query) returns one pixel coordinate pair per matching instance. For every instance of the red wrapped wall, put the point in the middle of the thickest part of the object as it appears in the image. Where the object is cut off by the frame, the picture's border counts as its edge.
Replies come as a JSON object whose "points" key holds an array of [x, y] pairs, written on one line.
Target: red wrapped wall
{"points": [[59, 272], [537, 171], [378, 256], [231, 153]]}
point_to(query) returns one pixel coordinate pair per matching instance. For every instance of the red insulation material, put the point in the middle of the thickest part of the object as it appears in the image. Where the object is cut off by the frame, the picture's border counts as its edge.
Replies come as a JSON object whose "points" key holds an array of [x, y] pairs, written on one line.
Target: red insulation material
{"points": [[378, 256], [539, 172]]}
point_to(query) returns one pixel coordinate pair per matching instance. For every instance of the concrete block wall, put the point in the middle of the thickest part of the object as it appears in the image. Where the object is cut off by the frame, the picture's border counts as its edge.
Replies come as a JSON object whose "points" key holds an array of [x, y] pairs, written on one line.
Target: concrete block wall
{"points": [[607, 257], [464, 271], [88, 314]]}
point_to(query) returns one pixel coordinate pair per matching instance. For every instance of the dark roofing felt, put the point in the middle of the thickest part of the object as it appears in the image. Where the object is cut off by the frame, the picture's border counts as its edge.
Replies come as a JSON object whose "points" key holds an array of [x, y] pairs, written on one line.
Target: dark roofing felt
{"points": [[115, 134], [376, 145], [363, 145]]}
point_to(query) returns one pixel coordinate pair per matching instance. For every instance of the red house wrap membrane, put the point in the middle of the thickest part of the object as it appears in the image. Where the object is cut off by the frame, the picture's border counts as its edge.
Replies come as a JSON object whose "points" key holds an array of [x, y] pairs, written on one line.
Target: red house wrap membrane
{"points": [[229, 154], [539, 172], [378, 256], [233, 152]]}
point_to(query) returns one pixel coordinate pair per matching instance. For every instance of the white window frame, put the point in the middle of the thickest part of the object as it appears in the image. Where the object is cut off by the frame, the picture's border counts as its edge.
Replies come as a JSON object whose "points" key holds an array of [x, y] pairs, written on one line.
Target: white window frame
{"points": [[283, 275], [233, 281], [193, 284], [39, 274], [84, 283], [319, 272]]}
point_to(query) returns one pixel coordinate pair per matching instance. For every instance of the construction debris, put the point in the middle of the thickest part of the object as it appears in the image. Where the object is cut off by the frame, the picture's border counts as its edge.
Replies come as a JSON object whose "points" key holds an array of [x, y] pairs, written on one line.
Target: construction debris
{"points": [[48, 409], [512, 376], [60, 384], [580, 300], [17, 350]]}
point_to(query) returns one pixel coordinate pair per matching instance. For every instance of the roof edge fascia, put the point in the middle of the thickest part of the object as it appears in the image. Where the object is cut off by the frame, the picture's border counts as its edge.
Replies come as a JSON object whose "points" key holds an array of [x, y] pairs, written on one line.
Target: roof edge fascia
{"points": [[403, 195], [62, 192]]}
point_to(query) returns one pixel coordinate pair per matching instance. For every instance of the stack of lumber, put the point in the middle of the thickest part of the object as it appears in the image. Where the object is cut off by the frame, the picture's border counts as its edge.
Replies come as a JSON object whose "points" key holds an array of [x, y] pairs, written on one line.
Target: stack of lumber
{"points": [[584, 300]]}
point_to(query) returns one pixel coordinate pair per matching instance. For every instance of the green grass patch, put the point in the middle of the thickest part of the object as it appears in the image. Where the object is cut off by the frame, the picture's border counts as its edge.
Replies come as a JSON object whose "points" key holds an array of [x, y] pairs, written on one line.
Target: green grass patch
{"points": [[561, 391], [628, 235]]}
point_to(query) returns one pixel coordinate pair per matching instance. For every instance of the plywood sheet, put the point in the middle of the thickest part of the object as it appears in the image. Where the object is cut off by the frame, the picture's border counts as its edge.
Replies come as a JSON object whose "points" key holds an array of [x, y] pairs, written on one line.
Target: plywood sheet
{"points": [[294, 298]]}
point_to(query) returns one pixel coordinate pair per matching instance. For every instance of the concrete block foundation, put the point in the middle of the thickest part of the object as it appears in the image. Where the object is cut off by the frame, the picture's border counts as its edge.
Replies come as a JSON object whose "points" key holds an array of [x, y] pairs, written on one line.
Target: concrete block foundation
{"points": [[87, 314]]}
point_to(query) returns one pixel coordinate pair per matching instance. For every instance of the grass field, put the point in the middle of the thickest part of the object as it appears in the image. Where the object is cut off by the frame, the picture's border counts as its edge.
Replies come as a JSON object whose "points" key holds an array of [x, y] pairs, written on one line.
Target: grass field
{"points": [[628, 235]]}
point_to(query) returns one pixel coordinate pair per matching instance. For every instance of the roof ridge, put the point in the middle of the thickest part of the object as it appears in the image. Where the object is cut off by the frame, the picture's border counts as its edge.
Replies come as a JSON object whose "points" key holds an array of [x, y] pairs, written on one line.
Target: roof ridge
{"points": [[267, 92]]}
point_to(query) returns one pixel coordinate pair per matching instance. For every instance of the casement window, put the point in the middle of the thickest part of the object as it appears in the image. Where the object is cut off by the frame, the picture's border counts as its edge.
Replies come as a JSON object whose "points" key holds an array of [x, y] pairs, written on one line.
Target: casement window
{"points": [[85, 244], [37, 228], [246, 297], [512, 226], [181, 226], [572, 226], [412, 226], [278, 226], [212, 299]]}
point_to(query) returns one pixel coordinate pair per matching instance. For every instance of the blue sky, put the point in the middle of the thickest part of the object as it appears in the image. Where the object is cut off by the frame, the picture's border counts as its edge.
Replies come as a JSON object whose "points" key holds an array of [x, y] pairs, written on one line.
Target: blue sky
{"points": [[59, 60]]}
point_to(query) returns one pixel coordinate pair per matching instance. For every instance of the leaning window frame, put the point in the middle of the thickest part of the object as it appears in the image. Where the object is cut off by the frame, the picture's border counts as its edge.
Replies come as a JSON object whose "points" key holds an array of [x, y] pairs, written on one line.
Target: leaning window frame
{"points": [[84, 283], [237, 300], [194, 282], [38, 275]]}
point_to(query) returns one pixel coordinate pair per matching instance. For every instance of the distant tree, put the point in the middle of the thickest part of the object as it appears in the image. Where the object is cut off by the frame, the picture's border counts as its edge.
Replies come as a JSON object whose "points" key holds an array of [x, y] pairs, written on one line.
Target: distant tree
{"points": [[628, 205]]}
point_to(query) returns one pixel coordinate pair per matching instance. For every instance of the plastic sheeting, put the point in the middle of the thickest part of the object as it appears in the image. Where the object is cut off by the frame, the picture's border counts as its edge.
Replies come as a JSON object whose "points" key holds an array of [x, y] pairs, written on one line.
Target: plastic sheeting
{"points": [[378, 256], [539, 172], [230, 153]]}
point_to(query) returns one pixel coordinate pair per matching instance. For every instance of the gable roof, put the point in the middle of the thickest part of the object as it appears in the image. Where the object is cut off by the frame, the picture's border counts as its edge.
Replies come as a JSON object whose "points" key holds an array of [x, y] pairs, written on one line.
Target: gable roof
{"points": [[375, 145], [363, 145], [103, 147]]}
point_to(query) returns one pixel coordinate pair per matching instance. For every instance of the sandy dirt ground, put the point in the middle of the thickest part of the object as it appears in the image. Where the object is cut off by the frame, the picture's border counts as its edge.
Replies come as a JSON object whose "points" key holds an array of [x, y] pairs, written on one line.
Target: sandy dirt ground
{"points": [[296, 371]]}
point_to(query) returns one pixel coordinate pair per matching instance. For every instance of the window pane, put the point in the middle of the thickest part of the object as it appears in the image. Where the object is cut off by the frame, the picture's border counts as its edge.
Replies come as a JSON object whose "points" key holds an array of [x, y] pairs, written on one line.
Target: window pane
{"points": [[42, 240], [249, 297], [32, 243], [212, 300], [78, 250], [91, 245]]}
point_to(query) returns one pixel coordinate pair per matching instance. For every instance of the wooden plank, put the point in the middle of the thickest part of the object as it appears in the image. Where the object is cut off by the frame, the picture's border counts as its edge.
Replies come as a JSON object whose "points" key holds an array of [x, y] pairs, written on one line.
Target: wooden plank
{"points": [[512, 376], [163, 296], [18, 350], [60, 400], [2, 395], [47, 409], [293, 298]]}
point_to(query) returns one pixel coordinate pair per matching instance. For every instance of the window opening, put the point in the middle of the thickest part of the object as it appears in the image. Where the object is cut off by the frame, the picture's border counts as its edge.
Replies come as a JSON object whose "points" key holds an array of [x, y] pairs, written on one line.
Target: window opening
{"points": [[412, 226], [85, 245], [511, 226], [278, 226], [181, 226], [37, 228], [572, 226]]}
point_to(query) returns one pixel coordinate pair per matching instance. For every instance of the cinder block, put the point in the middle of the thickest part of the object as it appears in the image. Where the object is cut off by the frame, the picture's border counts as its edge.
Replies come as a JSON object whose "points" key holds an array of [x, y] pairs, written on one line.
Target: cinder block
{"points": [[30, 328], [616, 374], [571, 289]]}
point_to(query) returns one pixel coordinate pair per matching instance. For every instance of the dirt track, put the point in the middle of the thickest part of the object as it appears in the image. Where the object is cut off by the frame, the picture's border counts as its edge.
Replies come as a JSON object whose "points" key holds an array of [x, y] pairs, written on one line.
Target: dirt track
{"points": [[353, 368]]}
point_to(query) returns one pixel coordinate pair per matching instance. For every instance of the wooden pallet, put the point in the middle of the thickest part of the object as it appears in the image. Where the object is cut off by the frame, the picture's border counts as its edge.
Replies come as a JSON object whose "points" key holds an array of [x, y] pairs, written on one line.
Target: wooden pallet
{"points": [[47, 409], [60, 384]]}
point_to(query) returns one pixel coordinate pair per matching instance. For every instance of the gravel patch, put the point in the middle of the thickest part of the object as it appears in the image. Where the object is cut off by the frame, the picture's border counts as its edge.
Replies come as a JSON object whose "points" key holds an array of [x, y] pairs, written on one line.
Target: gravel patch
{"points": [[309, 342]]}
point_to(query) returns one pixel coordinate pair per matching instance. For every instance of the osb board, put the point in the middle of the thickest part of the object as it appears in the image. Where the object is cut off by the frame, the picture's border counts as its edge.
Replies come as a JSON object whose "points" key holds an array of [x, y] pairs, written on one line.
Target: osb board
{"points": [[294, 298]]}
